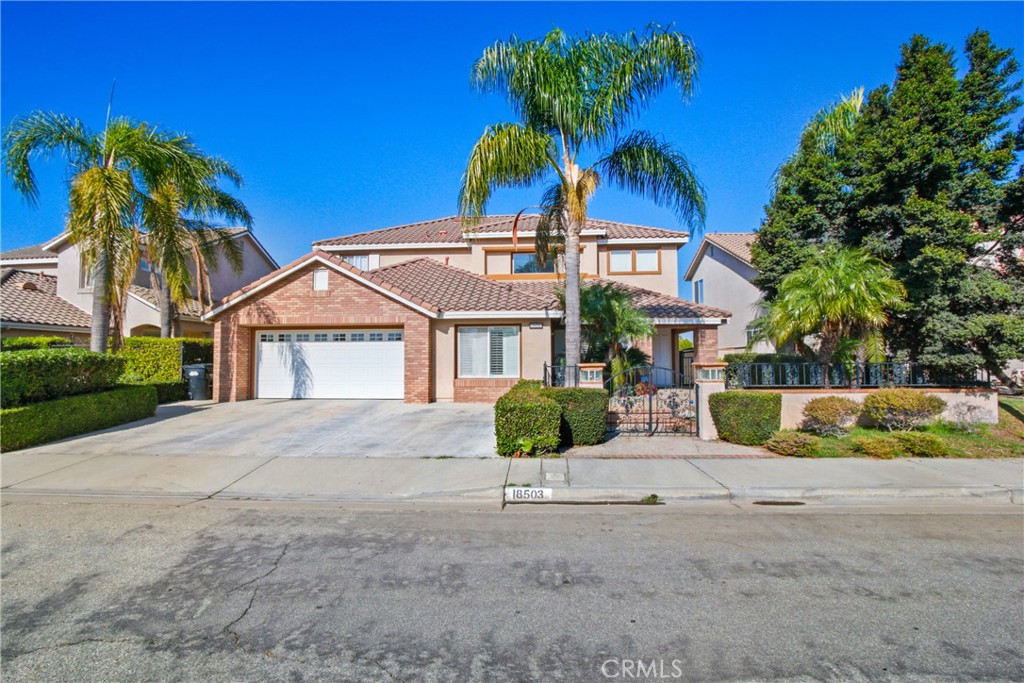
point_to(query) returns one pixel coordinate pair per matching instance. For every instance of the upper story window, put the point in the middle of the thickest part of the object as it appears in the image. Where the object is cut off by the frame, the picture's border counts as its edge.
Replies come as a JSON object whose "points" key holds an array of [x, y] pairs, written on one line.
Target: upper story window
{"points": [[488, 351], [84, 274], [698, 291], [360, 261], [634, 261], [526, 262], [320, 280]]}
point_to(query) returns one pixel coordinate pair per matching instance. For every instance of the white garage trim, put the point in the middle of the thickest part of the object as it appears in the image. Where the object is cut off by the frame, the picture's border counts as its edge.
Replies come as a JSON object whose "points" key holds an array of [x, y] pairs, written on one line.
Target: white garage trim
{"points": [[366, 363]]}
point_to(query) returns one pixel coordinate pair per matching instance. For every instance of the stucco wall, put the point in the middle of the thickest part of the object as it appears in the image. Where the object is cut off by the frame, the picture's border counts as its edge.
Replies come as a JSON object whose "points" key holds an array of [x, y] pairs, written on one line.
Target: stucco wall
{"points": [[727, 285], [225, 281], [794, 400]]}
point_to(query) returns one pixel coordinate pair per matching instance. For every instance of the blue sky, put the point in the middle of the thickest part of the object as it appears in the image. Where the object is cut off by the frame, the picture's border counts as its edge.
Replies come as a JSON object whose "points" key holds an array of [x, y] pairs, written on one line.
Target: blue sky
{"points": [[345, 117]]}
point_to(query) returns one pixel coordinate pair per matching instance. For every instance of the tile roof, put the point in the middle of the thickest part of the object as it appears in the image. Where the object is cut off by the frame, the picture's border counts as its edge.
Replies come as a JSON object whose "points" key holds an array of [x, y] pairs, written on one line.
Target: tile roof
{"points": [[654, 304], [33, 251], [450, 231], [440, 288], [736, 243], [191, 307], [38, 305]]}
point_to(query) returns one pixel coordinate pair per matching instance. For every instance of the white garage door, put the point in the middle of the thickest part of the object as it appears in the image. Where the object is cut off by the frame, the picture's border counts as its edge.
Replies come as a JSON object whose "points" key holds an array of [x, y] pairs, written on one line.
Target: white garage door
{"points": [[330, 364]]}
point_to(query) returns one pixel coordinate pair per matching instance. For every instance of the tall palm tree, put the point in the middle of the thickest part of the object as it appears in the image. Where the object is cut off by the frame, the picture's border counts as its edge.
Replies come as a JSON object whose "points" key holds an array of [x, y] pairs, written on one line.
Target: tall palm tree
{"points": [[110, 171], [178, 239], [838, 294], [577, 95]]}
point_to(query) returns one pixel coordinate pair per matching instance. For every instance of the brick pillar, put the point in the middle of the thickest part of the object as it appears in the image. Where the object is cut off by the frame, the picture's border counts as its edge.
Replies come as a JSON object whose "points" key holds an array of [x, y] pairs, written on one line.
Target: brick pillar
{"points": [[705, 345], [710, 379]]}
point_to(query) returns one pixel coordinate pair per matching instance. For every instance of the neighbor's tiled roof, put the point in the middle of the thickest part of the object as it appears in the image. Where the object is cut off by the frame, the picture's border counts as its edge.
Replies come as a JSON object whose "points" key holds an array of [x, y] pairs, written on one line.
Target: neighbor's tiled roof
{"points": [[192, 307], [445, 231], [38, 306], [736, 243], [33, 251], [653, 304]]}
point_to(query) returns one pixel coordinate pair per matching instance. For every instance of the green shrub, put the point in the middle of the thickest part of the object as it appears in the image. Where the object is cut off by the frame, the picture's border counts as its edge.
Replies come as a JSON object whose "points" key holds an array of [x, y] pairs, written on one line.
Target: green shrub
{"points": [[149, 359], [47, 421], [524, 413], [170, 392], [902, 409], [584, 414], [917, 445], [794, 444], [44, 374], [746, 417], [28, 343], [830, 415], [876, 447]]}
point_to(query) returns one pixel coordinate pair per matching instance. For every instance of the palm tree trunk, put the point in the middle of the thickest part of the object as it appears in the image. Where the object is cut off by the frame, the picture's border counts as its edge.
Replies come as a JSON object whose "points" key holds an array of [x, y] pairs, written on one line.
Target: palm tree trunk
{"points": [[164, 303], [100, 329], [572, 299]]}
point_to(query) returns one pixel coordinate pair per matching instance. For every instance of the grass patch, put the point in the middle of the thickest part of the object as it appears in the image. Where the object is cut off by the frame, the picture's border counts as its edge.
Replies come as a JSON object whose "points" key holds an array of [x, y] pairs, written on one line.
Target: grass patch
{"points": [[1004, 440]]}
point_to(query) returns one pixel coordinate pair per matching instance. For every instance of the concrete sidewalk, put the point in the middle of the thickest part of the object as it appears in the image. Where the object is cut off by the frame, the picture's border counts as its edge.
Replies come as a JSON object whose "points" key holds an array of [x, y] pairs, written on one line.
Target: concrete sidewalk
{"points": [[484, 479]]}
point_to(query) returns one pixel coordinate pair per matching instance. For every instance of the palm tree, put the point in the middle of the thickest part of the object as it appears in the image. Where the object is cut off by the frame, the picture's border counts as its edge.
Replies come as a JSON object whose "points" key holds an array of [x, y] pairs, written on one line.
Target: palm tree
{"points": [[577, 95], [177, 234], [837, 295], [611, 321], [110, 171]]}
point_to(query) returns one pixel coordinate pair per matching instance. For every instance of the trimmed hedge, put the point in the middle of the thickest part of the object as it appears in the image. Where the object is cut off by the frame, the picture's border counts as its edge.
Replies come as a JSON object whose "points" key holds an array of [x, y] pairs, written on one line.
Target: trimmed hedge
{"points": [[584, 414], [830, 415], [28, 343], [524, 412], [902, 409], [47, 421], [44, 374], [169, 392], [152, 360], [746, 417]]}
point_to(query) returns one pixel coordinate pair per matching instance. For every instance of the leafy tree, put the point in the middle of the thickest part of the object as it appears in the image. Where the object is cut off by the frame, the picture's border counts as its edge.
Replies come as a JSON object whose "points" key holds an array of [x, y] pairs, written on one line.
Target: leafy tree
{"points": [[923, 182], [838, 294], [577, 95]]}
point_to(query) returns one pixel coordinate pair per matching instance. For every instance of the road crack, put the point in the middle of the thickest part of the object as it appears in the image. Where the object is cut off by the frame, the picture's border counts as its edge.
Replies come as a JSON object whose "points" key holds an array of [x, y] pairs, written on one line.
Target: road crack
{"points": [[252, 598]]}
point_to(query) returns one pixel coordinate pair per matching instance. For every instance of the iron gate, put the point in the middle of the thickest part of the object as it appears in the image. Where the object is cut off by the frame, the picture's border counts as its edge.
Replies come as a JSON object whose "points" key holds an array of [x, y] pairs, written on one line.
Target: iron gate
{"points": [[652, 400]]}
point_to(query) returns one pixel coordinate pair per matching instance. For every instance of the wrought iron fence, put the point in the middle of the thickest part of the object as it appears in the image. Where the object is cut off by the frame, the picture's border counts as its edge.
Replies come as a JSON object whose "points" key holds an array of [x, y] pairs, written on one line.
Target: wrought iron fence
{"points": [[561, 375], [850, 375]]}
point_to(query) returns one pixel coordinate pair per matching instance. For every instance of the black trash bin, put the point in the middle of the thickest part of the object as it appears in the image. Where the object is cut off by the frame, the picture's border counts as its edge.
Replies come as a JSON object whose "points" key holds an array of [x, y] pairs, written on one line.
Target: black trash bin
{"points": [[199, 380]]}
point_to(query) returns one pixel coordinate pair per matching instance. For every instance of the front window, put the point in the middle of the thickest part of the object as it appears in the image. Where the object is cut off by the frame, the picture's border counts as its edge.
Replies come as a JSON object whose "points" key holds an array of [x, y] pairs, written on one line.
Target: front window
{"points": [[526, 262], [488, 351], [629, 261]]}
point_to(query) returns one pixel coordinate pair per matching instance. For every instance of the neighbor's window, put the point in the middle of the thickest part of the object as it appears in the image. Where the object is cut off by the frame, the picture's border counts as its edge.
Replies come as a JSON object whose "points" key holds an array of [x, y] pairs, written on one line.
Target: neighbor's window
{"points": [[320, 279], [526, 262], [362, 262], [488, 351], [84, 274], [698, 291]]}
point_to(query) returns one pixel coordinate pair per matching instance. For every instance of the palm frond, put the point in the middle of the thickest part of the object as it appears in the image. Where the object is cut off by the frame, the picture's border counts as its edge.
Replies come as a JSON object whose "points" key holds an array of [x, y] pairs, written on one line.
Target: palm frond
{"points": [[644, 165], [834, 123], [44, 133], [506, 155]]}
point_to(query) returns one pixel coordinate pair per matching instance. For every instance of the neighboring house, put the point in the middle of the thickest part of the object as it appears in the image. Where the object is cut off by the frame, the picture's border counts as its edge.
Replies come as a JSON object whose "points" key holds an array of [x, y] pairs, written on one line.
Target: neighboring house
{"points": [[62, 282], [434, 312], [722, 274]]}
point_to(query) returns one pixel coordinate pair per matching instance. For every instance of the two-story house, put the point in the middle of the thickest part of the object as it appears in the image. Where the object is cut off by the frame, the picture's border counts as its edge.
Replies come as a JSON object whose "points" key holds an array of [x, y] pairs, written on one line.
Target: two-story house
{"points": [[721, 274], [437, 311], [45, 290]]}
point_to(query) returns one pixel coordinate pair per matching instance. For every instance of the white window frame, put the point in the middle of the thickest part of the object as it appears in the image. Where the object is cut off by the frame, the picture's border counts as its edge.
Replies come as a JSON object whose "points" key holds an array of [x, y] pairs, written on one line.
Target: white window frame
{"points": [[698, 291], [360, 261], [462, 341]]}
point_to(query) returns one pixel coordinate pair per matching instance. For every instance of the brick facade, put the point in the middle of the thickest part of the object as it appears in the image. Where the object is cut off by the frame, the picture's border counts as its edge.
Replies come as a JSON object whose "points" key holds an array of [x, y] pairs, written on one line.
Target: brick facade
{"points": [[705, 344], [480, 390], [293, 303]]}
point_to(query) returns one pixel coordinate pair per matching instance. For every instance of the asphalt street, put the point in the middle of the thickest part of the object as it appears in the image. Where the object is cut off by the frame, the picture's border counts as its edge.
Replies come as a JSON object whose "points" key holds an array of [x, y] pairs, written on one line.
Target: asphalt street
{"points": [[217, 591]]}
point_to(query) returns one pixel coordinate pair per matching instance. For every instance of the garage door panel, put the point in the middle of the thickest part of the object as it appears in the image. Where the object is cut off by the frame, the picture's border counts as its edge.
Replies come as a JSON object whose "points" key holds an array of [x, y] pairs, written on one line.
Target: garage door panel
{"points": [[330, 369]]}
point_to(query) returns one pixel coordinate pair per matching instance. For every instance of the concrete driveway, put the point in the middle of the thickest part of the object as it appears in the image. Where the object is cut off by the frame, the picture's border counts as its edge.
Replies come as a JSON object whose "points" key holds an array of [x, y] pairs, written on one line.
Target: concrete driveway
{"points": [[321, 428]]}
